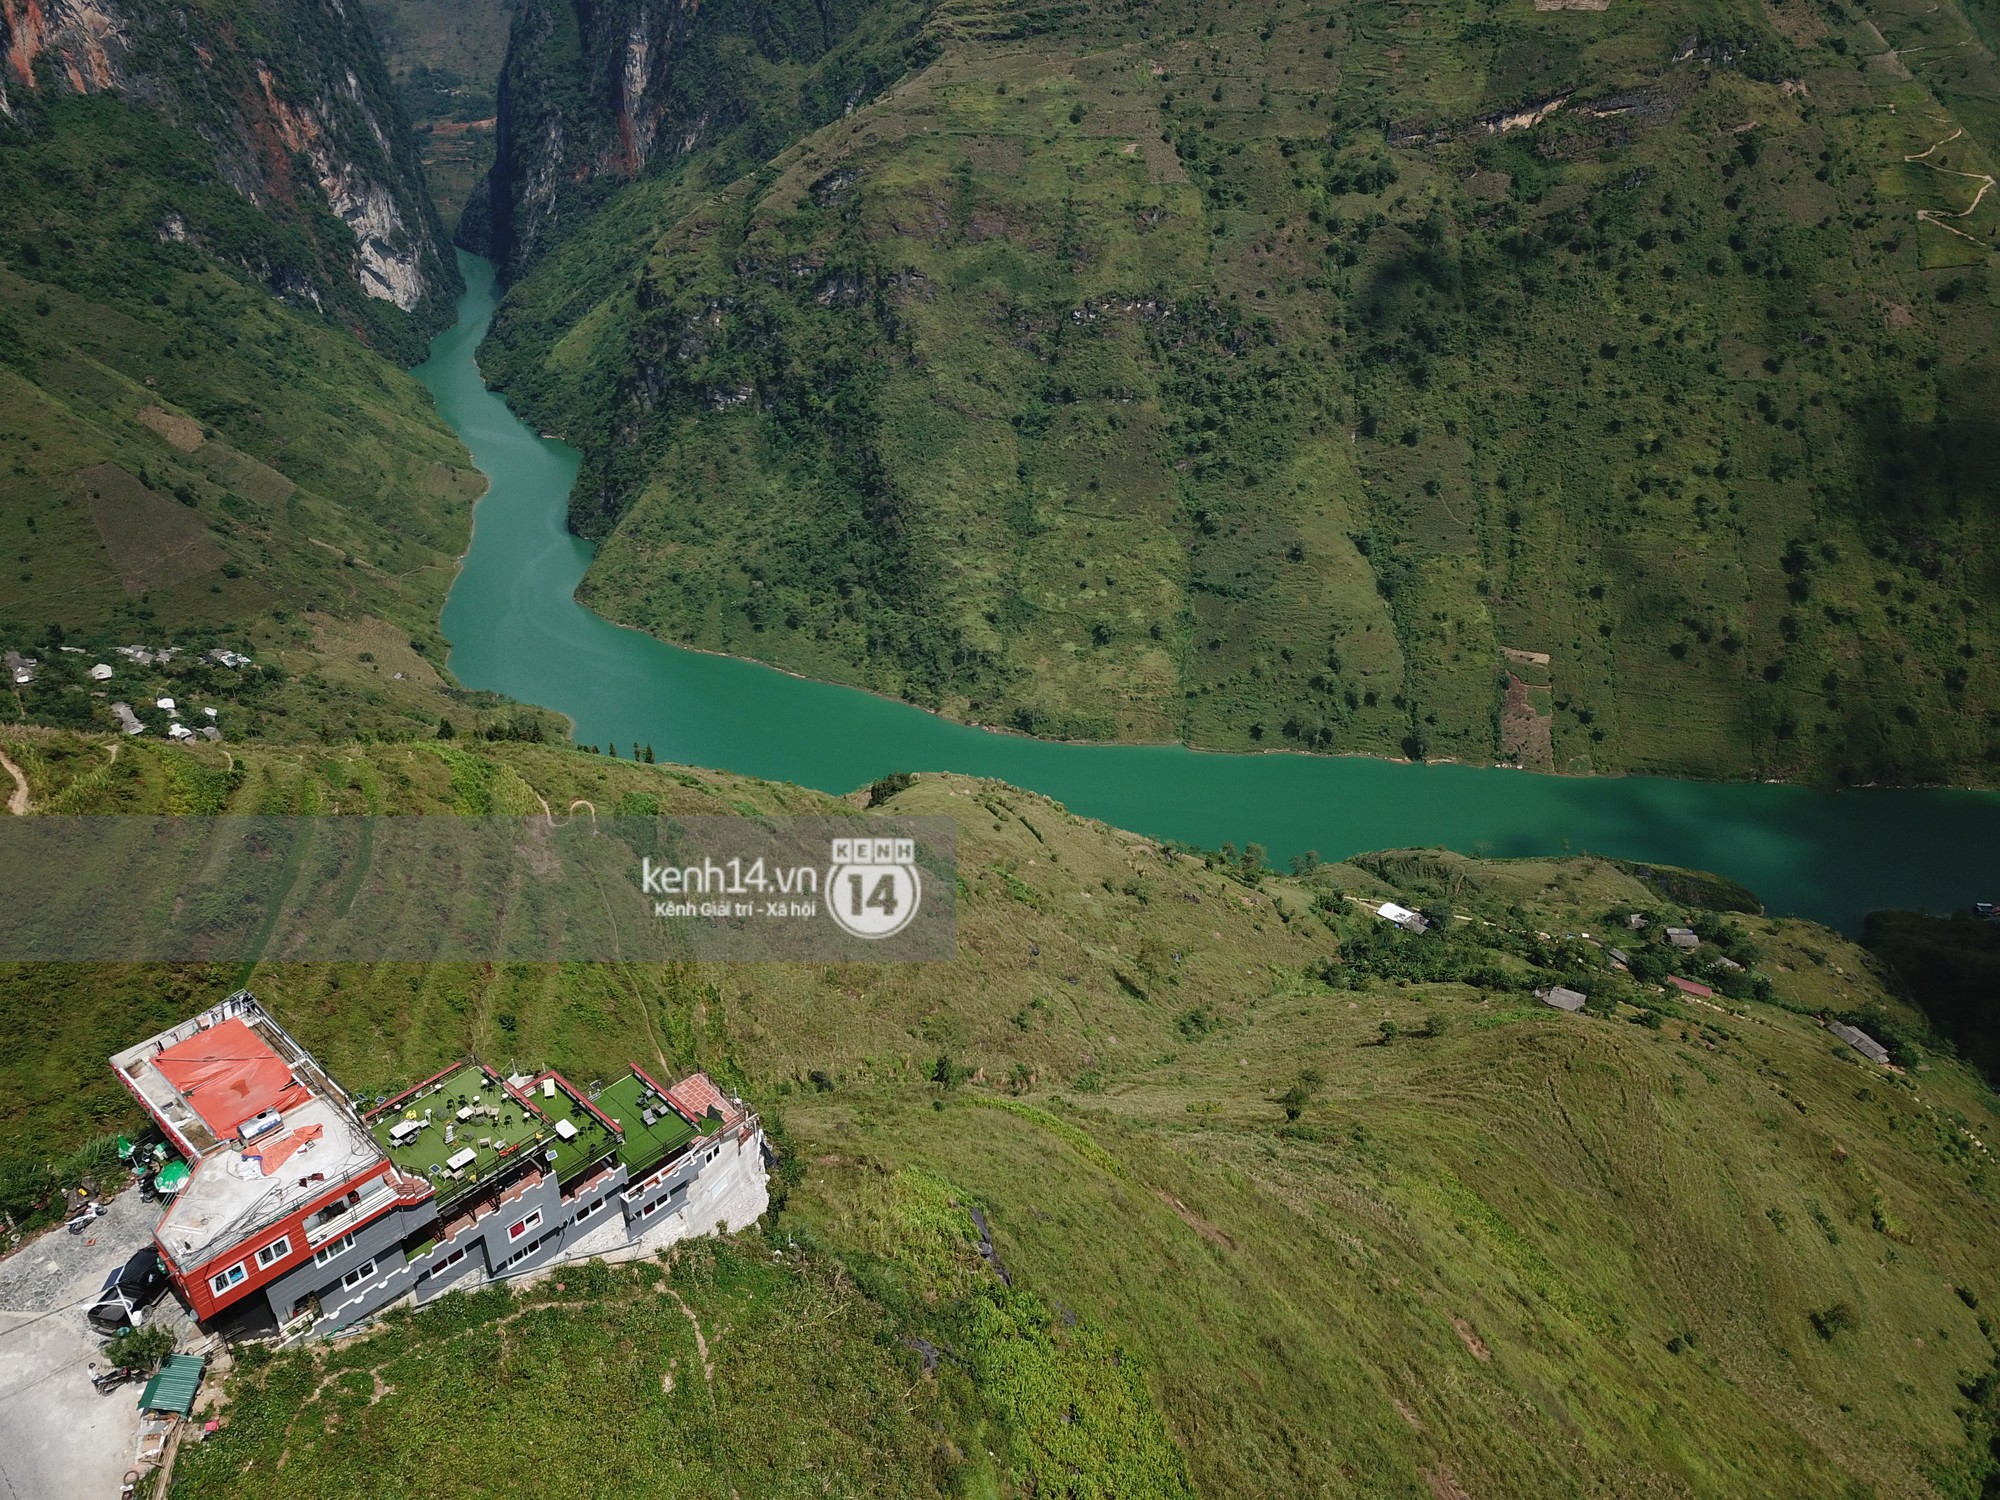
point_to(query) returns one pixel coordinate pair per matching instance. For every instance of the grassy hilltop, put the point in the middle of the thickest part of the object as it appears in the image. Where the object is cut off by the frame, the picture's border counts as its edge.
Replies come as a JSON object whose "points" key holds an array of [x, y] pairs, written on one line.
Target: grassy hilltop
{"points": [[1598, 389], [1289, 1203]]}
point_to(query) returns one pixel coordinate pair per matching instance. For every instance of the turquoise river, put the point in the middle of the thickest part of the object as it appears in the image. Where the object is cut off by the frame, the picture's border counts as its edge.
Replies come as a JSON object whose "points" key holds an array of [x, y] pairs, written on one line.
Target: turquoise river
{"points": [[516, 629]]}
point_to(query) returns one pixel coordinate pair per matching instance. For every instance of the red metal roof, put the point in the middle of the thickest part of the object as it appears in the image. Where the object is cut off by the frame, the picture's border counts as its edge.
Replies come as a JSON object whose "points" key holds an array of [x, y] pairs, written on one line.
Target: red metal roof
{"points": [[1689, 987], [227, 1074]]}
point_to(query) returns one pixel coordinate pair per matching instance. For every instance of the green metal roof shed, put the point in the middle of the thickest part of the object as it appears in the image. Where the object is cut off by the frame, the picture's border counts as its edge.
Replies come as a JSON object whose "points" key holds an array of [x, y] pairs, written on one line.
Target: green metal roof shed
{"points": [[173, 1388]]}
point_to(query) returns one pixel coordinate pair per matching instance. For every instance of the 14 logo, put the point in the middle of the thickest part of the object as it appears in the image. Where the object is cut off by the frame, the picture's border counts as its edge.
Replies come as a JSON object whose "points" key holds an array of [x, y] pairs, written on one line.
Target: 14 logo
{"points": [[872, 888]]}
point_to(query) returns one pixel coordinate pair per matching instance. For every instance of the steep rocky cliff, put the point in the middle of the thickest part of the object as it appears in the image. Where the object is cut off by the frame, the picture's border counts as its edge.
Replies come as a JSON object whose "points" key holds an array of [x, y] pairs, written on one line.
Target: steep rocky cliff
{"points": [[595, 95], [293, 110]]}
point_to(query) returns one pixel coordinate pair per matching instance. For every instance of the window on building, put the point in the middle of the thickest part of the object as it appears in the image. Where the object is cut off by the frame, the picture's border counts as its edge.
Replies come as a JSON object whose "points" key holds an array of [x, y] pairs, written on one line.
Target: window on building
{"points": [[359, 1274], [525, 1225], [335, 1210], [229, 1278], [333, 1248], [274, 1252], [444, 1265]]}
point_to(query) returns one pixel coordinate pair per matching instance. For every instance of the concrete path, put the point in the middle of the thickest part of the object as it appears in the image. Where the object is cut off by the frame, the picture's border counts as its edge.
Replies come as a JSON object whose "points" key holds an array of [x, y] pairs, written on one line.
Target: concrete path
{"points": [[60, 1439]]}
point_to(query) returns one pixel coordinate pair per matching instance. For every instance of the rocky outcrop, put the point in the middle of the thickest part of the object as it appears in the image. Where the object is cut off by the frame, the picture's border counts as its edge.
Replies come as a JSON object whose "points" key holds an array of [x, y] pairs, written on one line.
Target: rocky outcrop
{"points": [[388, 257], [81, 42], [596, 93], [294, 103]]}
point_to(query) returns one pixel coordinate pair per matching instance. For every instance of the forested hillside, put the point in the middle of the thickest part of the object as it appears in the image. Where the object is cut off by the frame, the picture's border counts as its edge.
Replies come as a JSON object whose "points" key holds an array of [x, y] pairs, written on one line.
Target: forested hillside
{"points": [[1289, 1202], [1597, 389], [216, 249]]}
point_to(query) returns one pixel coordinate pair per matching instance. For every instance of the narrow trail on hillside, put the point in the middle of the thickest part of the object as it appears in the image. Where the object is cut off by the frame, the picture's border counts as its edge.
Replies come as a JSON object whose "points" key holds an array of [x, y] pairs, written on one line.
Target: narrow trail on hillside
{"points": [[1938, 216], [17, 801]]}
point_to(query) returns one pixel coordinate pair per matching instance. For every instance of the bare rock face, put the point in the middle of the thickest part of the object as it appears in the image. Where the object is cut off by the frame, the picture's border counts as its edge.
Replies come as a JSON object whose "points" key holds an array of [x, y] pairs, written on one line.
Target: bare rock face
{"points": [[291, 97], [80, 43], [388, 257]]}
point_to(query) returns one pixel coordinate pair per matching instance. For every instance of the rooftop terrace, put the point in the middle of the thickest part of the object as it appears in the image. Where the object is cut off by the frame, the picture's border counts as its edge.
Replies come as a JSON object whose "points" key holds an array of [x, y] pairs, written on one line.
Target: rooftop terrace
{"points": [[205, 1077], [228, 1199], [591, 1139], [229, 1072], [653, 1128], [468, 1126]]}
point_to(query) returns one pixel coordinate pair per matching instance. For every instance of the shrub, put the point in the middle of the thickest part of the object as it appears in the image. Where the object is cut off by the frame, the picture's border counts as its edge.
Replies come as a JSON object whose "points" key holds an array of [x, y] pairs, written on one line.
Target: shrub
{"points": [[881, 791], [1828, 1322]]}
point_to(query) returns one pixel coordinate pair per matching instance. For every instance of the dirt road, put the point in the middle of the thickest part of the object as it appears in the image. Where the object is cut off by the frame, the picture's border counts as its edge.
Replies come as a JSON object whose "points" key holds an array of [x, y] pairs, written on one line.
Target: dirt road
{"points": [[17, 802]]}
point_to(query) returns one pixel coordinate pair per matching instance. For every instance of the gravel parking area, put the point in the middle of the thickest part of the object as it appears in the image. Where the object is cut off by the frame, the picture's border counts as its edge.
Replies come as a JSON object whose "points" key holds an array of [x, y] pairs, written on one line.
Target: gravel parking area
{"points": [[59, 1438]]}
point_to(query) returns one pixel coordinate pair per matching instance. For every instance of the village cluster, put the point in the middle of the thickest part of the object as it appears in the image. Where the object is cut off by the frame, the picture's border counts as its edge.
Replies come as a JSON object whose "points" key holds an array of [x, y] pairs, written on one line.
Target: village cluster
{"points": [[1680, 939], [24, 670]]}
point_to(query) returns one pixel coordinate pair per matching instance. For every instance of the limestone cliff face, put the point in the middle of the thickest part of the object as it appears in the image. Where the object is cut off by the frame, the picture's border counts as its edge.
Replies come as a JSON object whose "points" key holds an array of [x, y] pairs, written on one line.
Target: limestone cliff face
{"points": [[81, 42], [599, 92], [294, 104]]}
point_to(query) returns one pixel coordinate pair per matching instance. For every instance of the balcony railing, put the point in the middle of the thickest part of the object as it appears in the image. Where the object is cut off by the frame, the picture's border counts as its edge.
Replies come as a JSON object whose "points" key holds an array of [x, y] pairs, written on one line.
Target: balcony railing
{"points": [[344, 1217]]}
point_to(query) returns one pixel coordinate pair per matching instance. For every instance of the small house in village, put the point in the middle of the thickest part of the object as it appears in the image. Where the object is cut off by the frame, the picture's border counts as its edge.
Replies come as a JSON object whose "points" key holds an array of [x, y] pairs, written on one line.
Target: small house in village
{"points": [[1562, 997], [1689, 987], [1403, 917], [1683, 937], [1860, 1041]]}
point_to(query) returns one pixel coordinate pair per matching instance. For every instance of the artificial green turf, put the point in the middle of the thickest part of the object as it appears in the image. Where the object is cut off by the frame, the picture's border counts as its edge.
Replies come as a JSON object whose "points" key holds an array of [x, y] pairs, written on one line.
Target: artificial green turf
{"points": [[644, 1145], [592, 1139], [425, 1154]]}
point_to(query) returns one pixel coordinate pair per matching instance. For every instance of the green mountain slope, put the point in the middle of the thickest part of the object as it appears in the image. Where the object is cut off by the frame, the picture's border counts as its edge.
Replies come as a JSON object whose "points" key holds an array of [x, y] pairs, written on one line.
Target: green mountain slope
{"points": [[1289, 1203], [1597, 389], [217, 244], [444, 57]]}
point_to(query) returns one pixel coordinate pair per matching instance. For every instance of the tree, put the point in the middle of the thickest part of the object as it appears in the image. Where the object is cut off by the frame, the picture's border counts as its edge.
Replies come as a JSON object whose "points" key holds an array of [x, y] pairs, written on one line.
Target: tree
{"points": [[1830, 1321], [948, 1071], [142, 1348], [446, 731], [1295, 1099]]}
